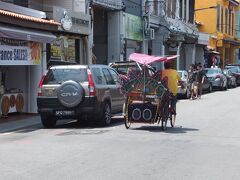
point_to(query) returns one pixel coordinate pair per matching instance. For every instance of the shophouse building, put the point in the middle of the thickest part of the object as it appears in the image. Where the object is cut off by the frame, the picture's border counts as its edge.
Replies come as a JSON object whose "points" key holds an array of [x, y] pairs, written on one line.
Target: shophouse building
{"points": [[183, 32], [23, 35], [237, 51], [218, 19], [117, 29], [33, 34]]}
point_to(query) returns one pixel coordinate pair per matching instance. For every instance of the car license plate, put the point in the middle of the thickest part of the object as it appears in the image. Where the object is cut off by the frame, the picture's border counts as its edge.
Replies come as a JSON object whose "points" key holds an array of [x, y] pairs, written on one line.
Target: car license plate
{"points": [[64, 113]]}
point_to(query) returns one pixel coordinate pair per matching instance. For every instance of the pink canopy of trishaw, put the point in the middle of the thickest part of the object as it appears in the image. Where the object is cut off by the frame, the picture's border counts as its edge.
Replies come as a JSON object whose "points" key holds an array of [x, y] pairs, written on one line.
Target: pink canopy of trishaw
{"points": [[147, 59]]}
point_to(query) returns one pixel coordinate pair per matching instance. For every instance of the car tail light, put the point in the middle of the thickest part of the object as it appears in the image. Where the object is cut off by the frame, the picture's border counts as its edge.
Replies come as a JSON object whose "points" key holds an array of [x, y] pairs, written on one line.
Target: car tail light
{"points": [[92, 90], [218, 76], [40, 85]]}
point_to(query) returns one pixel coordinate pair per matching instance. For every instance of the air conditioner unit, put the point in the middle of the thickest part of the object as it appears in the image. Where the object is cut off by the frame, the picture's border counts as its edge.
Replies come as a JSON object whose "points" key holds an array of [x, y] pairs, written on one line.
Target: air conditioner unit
{"points": [[150, 34]]}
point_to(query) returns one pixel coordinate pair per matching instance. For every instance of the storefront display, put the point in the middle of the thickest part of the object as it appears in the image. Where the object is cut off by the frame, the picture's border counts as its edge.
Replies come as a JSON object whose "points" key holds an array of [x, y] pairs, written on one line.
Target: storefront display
{"points": [[11, 102], [63, 49], [15, 59]]}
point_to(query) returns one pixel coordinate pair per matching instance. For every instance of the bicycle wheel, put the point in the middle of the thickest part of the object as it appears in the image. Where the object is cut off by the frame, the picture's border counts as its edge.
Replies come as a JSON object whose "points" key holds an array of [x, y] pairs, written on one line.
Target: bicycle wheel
{"points": [[127, 124], [165, 115], [125, 110], [173, 118]]}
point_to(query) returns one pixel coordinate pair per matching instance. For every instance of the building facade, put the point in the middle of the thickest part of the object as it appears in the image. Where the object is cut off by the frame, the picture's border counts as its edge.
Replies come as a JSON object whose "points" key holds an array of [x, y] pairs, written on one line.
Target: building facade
{"points": [[24, 33], [237, 51], [39, 32], [183, 32], [218, 19]]}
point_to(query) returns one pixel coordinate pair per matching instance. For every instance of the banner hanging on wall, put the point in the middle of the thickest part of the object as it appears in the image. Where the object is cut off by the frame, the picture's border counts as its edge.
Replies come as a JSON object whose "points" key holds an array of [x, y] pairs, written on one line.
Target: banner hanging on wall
{"points": [[21, 55]]}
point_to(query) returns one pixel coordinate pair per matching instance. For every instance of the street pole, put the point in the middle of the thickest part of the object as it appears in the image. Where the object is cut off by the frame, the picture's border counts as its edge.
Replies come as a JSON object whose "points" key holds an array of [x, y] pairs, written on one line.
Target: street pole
{"points": [[178, 53]]}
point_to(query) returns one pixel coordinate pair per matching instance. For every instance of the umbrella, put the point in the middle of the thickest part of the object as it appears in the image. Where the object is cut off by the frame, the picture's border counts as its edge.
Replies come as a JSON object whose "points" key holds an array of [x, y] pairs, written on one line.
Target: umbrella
{"points": [[147, 59]]}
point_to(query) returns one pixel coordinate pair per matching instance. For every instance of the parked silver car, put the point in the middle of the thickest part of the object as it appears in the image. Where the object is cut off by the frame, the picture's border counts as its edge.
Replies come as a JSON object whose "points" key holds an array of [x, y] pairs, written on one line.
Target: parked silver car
{"points": [[216, 77], [77, 91]]}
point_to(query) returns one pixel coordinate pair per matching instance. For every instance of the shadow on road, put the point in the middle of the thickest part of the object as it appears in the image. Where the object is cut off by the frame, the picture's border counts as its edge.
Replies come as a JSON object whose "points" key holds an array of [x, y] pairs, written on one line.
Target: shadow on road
{"points": [[67, 124], [85, 124], [170, 130]]}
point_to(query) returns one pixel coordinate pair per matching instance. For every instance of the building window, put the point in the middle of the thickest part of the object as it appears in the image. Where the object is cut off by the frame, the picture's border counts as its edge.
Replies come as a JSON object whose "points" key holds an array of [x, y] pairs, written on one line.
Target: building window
{"points": [[226, 21], [233, 27], [229, 22], [155, 8], [23, 3], [218, 18], [180, 9], [222, 20], [168, 8], [185, 10], [191, 12], [173, 8]]}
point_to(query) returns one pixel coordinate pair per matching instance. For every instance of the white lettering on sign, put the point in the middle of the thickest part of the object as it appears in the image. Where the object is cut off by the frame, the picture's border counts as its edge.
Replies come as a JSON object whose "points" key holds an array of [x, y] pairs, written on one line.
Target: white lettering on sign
{"points": [[19, 55]]}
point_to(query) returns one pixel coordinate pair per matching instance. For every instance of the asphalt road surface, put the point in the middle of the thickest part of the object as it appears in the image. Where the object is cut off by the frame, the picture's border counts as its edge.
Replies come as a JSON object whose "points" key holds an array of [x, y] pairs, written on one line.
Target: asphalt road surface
{"points": [[205, 144]]}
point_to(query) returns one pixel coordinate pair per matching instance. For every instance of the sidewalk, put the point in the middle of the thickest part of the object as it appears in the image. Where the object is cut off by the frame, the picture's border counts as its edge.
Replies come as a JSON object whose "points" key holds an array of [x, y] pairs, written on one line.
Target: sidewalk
{"points": [[17, 122]]}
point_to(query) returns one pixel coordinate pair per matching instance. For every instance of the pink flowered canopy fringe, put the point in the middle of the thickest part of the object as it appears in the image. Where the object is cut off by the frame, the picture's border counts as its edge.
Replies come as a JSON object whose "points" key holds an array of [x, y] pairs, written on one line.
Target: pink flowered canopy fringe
{"points": [[147, 59]]}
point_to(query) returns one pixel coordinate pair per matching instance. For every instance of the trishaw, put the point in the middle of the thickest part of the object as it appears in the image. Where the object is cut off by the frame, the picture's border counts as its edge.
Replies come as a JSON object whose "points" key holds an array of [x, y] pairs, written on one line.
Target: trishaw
{"points": [[147, 98]]}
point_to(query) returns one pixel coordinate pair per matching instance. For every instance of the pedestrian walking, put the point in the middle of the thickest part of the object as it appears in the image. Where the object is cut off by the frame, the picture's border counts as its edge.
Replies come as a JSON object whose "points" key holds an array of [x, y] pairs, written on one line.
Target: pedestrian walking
{"points": [[193, 81], [200, 79]]}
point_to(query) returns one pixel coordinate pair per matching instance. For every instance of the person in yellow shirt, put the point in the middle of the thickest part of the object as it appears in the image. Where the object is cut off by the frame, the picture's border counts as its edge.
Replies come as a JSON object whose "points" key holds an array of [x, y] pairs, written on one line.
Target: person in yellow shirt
{"points": [[171, 78]]}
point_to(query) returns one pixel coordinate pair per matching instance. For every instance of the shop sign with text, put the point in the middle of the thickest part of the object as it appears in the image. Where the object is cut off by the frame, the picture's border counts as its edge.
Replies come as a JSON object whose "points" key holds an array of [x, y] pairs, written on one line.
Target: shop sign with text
{"points": [[133, 27], [21, 55]]}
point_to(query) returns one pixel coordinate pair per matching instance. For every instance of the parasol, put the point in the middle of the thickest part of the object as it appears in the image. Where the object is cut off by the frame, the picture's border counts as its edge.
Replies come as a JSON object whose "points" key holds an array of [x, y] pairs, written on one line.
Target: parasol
{"points": [[147, 59]]}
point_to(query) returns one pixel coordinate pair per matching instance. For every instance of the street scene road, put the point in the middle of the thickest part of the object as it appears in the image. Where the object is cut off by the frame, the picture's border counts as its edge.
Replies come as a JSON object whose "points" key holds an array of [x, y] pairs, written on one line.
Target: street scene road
{"points": [[204, 145]]}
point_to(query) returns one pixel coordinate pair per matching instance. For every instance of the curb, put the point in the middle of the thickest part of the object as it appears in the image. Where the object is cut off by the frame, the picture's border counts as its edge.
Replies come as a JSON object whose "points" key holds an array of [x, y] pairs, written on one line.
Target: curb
{"points": [[19, 124]]}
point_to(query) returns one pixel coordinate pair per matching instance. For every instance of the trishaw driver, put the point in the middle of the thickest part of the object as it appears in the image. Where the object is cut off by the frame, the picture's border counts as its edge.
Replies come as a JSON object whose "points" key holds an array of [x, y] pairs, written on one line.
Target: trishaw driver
{"points": [[171, 78]]}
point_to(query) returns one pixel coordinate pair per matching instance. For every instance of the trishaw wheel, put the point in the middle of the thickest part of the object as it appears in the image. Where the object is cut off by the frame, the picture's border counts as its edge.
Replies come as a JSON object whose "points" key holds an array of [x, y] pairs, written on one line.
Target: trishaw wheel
{"points": [[164, 124], [172, 119]]}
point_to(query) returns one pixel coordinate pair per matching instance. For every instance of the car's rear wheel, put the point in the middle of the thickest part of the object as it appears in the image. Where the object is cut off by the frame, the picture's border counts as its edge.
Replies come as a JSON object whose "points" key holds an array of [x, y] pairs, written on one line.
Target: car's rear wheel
{"points": [[106, 115], [210, 88], [226, 86], [234, 84], [48, 121], [222, 86], [238, 81]]}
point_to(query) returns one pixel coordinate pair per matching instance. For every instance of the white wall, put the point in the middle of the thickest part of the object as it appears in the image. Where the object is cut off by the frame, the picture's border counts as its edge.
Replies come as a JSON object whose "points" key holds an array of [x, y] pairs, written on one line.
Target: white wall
{"points": [[189, 55], [35, 77], [71, 5], [114, 37], [200, 54]]}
